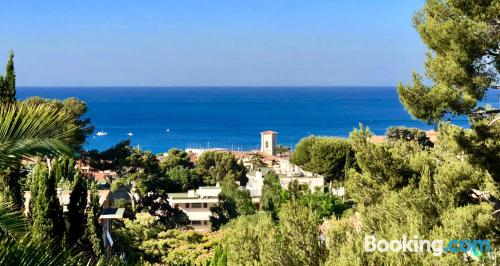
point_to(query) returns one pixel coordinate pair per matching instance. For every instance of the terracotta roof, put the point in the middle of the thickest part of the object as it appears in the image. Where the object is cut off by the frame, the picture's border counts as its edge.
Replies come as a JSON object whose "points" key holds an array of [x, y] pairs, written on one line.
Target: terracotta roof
{"points": [[268, 132], [377, 139], [432, 135]]}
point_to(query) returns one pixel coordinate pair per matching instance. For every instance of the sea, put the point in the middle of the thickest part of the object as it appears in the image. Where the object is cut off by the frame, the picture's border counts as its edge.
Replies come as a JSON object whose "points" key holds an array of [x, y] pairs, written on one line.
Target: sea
{"points": [[161, 118]]}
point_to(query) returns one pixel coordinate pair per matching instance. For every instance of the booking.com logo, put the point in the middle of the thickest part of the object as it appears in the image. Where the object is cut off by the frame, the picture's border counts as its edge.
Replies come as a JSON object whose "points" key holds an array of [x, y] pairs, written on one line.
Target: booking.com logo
{"points": [[475, 248]]}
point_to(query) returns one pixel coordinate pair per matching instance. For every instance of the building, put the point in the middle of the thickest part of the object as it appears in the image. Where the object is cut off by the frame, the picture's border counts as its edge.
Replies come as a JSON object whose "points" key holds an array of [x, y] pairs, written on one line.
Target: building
{"points": [[196, 203], [268, 142], [109, 214], [377, 139], [63, 196], [256, 180], [432, 135]]}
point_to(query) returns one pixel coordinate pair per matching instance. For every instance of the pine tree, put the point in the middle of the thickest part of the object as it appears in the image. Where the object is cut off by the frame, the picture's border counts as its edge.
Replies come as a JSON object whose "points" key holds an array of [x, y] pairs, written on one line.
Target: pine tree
{"points": [[463, 58], [76, 210], [48, 222], [93, 229], [10, 81]]}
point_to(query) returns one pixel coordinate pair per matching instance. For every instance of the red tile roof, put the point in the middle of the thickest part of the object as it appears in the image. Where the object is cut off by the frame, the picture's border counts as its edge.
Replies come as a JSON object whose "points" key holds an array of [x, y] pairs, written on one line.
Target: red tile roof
{"points": [[377, 139]]}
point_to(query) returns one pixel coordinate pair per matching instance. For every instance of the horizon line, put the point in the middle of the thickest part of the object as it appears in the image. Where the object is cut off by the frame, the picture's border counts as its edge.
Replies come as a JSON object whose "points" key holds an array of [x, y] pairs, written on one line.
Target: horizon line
{"points": [[205, 86]]}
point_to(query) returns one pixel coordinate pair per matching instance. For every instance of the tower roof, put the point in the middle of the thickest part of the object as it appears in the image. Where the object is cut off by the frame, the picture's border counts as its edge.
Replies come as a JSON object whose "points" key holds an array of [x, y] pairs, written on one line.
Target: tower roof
{"points": [[268, 132]]}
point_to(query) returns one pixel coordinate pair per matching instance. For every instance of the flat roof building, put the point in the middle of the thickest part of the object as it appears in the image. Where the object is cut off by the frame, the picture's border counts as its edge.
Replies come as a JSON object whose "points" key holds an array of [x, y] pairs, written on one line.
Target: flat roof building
{"points": [[196, 203]]}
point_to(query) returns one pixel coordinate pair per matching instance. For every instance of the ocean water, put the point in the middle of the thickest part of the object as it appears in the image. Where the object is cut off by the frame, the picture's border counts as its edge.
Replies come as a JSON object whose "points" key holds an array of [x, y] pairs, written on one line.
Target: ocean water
{"points": [[232, 117]]}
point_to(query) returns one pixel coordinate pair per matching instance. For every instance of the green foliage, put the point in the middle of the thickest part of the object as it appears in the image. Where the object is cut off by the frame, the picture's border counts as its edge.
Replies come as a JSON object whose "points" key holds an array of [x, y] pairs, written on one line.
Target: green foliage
{"points": [[299, 230], [145, 238], [249, 240], [93, 230], [214, 166], [256, 160], [76, 210], [10, 185], [232, 203], [408, 134], [19, 248], [182, 179], [114, 158], [271, 194], [8, 84], [220, 257], [12, 223], [323, 155], [431, 199], [302, 153], [462, 60], [282, 150], [63, 168], [144, 161], [257, 240], [158, 206], [482, 144], [176, 158], [385, 164], [76, 109], [324, 204], [30, 130], [48, 222]]}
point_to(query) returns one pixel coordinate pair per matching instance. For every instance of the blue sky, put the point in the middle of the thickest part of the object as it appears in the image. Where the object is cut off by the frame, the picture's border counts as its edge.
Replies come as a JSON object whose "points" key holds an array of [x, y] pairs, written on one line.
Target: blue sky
{"points": [[211, 42]]}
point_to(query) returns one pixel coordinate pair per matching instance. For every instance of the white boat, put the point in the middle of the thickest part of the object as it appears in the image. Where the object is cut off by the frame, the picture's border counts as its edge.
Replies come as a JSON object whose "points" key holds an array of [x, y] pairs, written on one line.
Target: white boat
{"points": [[168, 130], [101, 133], [130, 134]]}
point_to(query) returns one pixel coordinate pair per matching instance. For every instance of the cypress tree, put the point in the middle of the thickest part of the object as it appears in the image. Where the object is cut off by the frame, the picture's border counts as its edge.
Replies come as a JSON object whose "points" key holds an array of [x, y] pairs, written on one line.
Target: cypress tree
{"points": [[10, 186], [64, 169], [10, 80], [271, 194], [76, 210], [94, 230], [48, 222]]}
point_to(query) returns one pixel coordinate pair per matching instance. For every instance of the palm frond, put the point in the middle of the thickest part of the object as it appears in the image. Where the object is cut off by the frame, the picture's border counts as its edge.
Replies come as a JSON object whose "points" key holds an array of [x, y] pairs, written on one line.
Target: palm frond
{"points": [[12, 223], [18, 248], [30, 130], [27, 252]]}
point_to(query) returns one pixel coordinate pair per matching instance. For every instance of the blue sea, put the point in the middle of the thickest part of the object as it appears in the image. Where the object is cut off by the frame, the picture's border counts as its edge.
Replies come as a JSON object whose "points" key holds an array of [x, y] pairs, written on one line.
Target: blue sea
{"points": [[232, 117]]}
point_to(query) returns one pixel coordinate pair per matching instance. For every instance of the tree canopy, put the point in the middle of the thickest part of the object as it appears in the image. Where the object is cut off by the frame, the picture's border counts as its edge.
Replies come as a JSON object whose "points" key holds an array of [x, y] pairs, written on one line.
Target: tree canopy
{"points": [[463, 59], [327, 156], [214, 166]]}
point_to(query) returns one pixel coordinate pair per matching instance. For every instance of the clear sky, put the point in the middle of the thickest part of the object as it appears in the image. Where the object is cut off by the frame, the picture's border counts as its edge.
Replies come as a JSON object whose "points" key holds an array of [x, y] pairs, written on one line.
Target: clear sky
{"points": [[211, 42]]}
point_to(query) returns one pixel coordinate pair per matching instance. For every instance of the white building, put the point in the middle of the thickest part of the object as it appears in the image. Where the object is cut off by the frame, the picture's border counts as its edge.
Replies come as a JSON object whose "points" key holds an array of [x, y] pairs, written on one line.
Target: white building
{"points": [[196, 204], [286, 176], [286, 168]]}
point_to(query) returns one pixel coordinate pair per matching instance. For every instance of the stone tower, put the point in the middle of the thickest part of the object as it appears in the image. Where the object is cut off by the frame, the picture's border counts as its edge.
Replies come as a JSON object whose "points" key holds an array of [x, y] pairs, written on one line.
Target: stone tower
{"points": [[268, 142]]}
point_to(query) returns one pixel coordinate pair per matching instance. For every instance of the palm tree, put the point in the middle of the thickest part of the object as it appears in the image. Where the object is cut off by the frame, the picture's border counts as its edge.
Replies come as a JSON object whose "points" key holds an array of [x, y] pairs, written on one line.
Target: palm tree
{"points": [[28, 130], [32, 130], [17, 247]]}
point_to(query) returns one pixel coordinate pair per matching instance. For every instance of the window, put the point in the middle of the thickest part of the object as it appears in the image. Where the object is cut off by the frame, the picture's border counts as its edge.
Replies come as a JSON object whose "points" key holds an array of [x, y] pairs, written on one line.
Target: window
{"points": [[196, 205], [196, 222], [267, 144], [187, 205], [205, 222], [205, 205], [176, 206]]}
